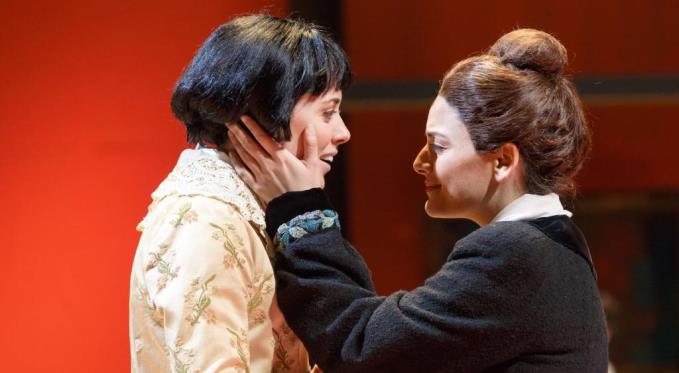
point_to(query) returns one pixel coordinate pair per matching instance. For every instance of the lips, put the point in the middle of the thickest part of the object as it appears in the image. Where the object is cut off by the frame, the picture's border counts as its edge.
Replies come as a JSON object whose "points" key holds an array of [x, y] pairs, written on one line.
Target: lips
{"points": [[328, 158], [327, 161]]}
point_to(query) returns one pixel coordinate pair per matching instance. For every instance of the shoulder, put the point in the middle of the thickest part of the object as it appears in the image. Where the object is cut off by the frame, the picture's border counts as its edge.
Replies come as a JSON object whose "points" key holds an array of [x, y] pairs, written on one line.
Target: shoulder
{"points": [[505, 231], [502, 237], [207, 173], [180, 213], [202, 232], [515, 248], [540, 245]]}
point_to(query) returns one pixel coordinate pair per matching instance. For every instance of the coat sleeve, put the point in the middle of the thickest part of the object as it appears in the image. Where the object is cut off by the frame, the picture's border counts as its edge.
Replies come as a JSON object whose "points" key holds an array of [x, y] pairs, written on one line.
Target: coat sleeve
{"points": [[466, 317]]}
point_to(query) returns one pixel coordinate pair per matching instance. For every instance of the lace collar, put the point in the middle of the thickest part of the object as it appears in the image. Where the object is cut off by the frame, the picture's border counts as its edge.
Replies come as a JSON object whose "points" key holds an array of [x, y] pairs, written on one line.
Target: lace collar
{"points": [[207, 172]]}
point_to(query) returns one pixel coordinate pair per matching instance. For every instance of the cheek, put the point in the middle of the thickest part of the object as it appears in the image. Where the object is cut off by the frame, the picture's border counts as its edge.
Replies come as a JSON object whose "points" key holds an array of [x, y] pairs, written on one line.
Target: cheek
{"points": [[465, 176], [296, 128], [323, 134], [293, 144]]}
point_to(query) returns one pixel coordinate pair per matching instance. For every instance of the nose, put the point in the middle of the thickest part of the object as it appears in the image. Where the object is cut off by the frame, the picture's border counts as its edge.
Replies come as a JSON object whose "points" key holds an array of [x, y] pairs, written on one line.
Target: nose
{"points": [[341, 133], [422, 163]]}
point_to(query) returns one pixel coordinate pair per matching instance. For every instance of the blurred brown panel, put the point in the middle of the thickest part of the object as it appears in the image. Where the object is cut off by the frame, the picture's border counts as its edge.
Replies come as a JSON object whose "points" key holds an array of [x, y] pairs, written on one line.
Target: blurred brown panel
{"points": [[634, 148], [386, 197], [421, 40]]}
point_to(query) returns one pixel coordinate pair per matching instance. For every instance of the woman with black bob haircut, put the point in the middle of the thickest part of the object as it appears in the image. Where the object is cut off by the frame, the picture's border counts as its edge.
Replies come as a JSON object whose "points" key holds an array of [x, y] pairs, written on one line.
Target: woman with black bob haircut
{"points": [[260, 66], [202, 284]]}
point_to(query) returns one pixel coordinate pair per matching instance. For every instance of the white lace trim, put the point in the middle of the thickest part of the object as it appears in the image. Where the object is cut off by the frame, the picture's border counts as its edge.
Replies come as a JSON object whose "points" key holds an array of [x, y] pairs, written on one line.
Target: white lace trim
{"points": [[207, 172]]}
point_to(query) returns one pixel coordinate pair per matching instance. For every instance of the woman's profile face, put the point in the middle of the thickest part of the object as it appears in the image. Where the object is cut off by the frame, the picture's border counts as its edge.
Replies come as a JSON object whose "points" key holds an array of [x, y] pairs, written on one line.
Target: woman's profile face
{"points": [[456, 177], [322, 112]]}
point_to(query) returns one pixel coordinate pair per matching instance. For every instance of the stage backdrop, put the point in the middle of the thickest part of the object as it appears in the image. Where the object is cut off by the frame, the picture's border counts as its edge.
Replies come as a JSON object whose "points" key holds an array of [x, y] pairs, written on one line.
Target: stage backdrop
{"points": [[87, 134]]}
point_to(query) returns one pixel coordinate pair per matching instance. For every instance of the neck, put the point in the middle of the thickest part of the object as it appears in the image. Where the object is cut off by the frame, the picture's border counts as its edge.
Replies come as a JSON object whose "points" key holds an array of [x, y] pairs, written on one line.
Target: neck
{"points": [[496, 201]]}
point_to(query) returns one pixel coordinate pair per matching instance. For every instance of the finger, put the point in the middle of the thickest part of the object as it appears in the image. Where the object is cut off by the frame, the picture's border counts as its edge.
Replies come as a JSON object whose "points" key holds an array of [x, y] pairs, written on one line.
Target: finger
{"points": [[267, 142], [242, 170], [243, 154], [310, 143], [249, 150]]}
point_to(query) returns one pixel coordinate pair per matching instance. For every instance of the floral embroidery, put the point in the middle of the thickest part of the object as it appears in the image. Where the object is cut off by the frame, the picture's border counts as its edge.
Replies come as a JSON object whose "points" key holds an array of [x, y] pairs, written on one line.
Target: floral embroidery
{"points": [[240, 343], [232, 257], [260, 286], [150, 309], [206, 180], [256, 317], [182, 357], [281, 360], [162, 249], [200, 302], [167, 272], [299, 226], [184, 215], [210, 316], [290, 337]]}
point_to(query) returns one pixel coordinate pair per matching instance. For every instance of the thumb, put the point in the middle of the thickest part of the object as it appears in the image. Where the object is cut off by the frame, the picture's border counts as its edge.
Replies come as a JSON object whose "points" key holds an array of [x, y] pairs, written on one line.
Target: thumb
{"points": [[310, 143]]}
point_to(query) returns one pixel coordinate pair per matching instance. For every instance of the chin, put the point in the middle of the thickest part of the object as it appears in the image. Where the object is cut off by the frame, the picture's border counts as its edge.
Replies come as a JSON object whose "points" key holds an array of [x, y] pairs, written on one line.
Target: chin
{"points": [[434, 211], [438, 211]]}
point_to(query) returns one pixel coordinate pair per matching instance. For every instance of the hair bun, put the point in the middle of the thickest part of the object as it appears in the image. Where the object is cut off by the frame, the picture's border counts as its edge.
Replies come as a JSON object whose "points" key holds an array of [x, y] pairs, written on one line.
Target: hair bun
{"points": [[529, 49]]}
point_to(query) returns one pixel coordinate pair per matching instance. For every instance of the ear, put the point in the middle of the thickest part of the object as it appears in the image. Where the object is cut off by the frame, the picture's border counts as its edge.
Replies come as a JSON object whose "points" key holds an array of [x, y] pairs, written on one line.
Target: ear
{"points": [[507, 161]]}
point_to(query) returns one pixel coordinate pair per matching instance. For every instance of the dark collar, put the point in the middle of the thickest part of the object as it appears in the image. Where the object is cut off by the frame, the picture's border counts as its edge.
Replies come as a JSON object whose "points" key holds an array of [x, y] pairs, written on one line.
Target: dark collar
{"points": [[561, 229]]}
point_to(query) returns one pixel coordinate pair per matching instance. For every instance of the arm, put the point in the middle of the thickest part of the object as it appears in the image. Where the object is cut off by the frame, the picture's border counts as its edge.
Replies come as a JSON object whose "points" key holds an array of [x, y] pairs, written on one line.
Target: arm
{"points": [[205, 271], [468, 316]]}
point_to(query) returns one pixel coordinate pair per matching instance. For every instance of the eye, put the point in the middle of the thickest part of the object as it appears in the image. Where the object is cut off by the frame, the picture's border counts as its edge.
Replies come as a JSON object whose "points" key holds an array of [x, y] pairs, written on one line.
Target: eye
{"points": [[437, 148], [329, 113]]}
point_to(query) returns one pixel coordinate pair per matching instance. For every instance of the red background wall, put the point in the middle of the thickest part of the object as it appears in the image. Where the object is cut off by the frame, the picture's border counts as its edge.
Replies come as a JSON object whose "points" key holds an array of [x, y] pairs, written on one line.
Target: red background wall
{"points": [[87, 134]]}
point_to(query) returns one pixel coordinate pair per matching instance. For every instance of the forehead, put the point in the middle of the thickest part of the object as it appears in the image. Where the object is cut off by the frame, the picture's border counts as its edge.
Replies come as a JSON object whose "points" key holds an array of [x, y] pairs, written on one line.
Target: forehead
{"points": [[443, 118], [331, 96]]}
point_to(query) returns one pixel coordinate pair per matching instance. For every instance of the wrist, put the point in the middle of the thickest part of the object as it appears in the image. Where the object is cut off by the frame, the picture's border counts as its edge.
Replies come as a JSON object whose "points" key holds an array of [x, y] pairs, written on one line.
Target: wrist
{"points": [[284, 208]]}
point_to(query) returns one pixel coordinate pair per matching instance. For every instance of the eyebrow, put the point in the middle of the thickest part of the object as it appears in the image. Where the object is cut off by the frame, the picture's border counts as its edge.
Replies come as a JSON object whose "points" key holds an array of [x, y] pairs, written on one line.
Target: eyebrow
{"points": [[434, 133], [334, 100]]}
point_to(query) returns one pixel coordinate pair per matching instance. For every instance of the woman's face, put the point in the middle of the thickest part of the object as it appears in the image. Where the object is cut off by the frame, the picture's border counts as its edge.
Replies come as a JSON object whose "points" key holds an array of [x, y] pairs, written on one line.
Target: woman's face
{"points": [[322, 112], [457, 179]]}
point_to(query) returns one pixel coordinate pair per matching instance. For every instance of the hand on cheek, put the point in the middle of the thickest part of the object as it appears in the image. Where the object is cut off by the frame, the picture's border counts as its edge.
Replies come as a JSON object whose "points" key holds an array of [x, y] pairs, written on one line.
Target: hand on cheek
{"points": [[270, 169]]}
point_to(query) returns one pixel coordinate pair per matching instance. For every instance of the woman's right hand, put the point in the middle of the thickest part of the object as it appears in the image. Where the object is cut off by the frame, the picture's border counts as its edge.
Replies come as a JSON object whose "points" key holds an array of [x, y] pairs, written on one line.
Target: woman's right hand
{"points": [[268, 168]]}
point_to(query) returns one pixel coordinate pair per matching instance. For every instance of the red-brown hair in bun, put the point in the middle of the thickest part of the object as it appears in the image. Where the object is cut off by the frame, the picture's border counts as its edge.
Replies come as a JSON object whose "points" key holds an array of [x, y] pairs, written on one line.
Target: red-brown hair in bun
{"points": [[516, 93]]}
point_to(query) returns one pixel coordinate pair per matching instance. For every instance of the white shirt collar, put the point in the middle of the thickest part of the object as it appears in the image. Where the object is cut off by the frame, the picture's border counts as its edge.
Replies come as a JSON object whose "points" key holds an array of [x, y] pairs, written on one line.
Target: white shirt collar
{"points": [[532, 206]]}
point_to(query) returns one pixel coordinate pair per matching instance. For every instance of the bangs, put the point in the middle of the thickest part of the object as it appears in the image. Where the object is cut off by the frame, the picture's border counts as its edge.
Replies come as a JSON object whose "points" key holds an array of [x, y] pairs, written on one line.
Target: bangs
{"points": [[323, 66]]}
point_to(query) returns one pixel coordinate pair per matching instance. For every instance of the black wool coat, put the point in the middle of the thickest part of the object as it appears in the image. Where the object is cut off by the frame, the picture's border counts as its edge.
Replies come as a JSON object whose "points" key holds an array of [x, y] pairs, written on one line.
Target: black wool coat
{"points": [[516, 296]]}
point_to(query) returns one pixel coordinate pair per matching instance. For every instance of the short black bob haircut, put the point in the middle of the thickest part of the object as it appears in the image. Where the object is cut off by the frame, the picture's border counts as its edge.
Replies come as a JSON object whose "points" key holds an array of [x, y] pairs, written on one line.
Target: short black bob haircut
{"points": [[258, 65]]}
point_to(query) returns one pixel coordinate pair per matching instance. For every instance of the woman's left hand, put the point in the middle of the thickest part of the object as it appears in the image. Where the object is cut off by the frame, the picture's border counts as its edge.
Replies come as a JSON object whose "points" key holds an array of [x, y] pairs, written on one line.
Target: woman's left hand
{"points": [[268, 168]]}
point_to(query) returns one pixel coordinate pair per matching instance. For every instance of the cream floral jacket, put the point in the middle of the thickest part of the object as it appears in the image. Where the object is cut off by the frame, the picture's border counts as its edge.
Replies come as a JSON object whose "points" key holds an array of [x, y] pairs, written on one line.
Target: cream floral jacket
{"points": [[202, 287]]}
